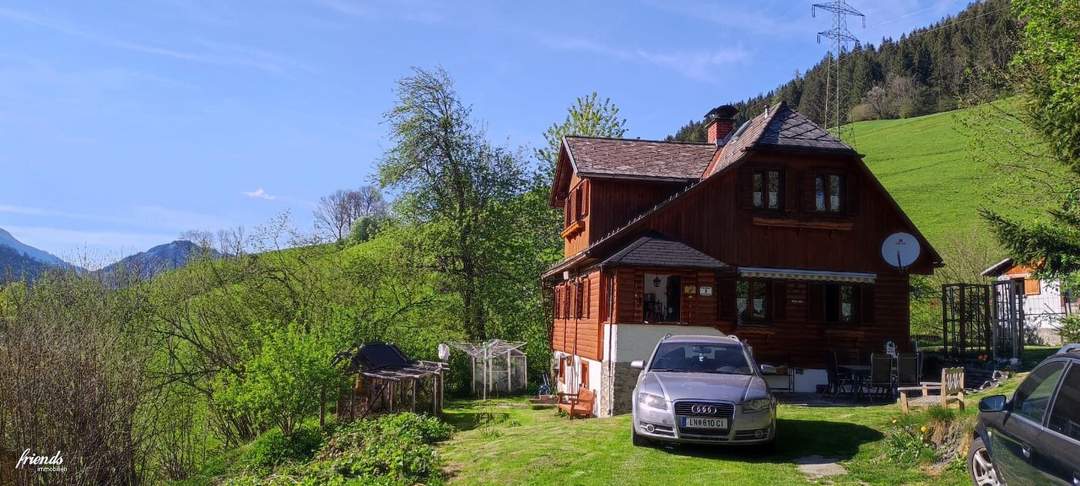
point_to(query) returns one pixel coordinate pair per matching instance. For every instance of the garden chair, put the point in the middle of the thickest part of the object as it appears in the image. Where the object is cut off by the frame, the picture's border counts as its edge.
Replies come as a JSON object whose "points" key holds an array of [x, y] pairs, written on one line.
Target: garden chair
{"points": [[907, 369], [950, 389], [578, 404], [837, 381], [881, 381]]}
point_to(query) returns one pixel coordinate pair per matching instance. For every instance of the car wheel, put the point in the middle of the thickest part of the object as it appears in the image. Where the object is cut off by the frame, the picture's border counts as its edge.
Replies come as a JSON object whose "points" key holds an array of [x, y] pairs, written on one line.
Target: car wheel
{"points": [[981, 465], [638, 440]]}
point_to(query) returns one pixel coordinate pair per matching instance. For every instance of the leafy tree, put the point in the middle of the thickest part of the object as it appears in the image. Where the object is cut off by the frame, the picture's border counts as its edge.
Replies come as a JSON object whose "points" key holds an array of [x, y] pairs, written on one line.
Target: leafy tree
{"points": [[338, 212], [455, 182], [589, 116], [1047, 71], [286, 381]]}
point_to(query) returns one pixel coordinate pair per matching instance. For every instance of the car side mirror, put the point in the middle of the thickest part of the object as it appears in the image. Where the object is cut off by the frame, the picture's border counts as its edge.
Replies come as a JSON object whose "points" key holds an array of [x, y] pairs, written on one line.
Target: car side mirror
{"points": [[768, 369], [994, 403], [637, 364]]}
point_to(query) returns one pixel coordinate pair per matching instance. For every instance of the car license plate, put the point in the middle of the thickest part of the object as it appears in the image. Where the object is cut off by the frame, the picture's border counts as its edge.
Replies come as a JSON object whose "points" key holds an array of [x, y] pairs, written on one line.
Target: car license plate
{"points": [[704, 423]]}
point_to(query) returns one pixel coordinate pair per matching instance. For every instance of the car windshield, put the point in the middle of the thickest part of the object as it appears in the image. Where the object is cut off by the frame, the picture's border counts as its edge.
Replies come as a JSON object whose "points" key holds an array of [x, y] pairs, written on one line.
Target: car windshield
{"points": [[701, 358]]}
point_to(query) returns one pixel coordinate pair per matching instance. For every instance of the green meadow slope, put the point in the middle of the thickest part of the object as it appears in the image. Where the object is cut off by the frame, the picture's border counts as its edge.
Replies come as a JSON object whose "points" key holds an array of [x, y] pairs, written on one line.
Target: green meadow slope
{"points": [[924, 163]]}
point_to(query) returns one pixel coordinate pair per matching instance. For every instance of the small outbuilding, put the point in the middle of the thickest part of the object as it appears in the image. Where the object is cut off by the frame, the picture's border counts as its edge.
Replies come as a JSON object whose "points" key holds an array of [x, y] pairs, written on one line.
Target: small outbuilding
{"points": [[385, 380]]}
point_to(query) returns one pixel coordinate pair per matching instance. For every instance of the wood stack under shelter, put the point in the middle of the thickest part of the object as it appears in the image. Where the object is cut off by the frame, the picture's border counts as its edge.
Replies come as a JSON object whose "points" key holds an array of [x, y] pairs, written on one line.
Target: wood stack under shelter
{"points": [[385, 380]]}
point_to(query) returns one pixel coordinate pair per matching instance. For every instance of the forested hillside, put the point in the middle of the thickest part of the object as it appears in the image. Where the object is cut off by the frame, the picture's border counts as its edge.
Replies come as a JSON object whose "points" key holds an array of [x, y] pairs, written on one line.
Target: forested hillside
{"points": [[924, 72]]}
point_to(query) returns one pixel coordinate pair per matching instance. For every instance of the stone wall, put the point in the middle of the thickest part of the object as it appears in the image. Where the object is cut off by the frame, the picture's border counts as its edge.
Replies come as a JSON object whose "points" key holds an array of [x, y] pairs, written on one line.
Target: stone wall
{"points": [[617, 390]]}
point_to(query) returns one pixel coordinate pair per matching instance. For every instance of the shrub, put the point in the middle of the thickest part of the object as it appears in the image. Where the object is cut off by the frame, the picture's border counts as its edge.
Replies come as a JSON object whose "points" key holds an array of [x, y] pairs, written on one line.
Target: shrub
{"points": [[908, 441], [284, 381], [939, 434], [1070, 329], [274, 448], [862, 112], [390, 450]]}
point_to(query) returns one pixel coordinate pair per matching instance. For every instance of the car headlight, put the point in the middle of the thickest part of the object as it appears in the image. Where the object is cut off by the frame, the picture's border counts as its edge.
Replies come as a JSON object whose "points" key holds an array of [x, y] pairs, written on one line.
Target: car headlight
{"points": [[756, 405], [652, 401]]}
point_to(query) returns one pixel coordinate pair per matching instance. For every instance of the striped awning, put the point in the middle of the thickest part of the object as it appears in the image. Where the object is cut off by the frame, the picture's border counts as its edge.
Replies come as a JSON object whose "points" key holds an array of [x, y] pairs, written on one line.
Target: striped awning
{"points": [[812, 275]]}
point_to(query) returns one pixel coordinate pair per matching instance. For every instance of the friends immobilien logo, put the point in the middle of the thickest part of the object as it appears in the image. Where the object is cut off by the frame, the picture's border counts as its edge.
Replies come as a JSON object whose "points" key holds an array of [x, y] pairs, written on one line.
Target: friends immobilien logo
{"points": [[54, 463]]}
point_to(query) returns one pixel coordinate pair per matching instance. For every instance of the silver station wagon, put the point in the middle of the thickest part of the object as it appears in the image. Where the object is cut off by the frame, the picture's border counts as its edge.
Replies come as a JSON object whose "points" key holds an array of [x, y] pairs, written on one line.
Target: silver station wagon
{"points": [[704, 390]]}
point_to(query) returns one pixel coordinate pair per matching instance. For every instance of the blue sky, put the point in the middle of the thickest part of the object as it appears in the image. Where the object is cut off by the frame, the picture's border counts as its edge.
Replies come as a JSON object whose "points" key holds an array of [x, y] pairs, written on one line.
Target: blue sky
{"points": [[123, 124]]}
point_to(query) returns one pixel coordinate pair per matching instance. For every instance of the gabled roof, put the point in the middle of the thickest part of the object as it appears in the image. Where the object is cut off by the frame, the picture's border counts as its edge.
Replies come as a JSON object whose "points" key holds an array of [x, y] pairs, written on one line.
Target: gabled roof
{"points": [[998, 268], [618, 157], [777, 128], [656, 251], [1010, 268]]}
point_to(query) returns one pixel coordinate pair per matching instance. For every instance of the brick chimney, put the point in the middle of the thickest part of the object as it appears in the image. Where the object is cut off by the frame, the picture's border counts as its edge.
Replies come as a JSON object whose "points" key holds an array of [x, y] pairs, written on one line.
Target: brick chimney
{"points": [[719, 122]]}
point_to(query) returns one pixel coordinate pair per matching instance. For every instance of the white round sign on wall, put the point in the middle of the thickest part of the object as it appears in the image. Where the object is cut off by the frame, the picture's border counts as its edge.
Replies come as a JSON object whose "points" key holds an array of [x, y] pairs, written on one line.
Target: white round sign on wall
{"points": [[900, 250]]}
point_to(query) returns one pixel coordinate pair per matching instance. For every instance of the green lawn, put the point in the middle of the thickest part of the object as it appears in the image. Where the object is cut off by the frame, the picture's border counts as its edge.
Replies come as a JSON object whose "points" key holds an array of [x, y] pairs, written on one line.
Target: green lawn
{"points": [[922, 162], [506, 442]]}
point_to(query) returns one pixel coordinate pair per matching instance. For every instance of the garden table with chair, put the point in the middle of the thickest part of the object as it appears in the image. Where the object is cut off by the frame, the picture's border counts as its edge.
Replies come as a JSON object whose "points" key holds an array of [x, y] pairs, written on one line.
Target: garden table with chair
{"points": [[885, 373]]}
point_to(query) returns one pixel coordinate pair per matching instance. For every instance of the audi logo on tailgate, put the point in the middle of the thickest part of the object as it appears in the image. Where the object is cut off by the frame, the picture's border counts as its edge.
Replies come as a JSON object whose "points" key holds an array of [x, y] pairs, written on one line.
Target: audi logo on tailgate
{"points": [[698, 409]]}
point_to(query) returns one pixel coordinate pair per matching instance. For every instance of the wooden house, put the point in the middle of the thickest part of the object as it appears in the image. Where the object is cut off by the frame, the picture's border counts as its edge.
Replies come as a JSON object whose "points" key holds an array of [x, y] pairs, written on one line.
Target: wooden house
{"points": [[772, 232], [1044, 302]]}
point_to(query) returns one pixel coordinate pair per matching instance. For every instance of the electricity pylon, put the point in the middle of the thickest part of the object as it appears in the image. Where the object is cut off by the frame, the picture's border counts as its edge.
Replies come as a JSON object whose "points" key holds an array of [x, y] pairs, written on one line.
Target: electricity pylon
{"points": [[841, 37]]}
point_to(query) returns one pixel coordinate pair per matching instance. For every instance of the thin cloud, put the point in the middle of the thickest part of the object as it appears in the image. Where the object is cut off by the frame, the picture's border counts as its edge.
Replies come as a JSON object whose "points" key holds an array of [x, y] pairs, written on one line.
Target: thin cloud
{"points": [[260, 193], [696, 64], [213, 53]]}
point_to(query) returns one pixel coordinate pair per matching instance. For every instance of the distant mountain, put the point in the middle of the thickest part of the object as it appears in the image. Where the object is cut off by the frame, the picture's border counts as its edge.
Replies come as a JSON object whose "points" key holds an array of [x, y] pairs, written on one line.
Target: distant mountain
{"points": [[40, 256], [17, 266], [161, 258]]}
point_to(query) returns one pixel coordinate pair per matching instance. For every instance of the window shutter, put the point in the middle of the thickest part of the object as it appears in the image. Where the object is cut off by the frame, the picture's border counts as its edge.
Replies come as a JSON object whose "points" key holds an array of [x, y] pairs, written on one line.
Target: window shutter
{"points": [[779, 300], [807, 192], [725, 298], [567, 295], [556, 299], [585, 198], [746, 188], [867, 303], [815, 299], [588, 298], [851, 194]]}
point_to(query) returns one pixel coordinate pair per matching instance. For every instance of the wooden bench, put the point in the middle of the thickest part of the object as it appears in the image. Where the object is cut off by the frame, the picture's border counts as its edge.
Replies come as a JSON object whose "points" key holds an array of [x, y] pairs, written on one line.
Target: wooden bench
{"points": [[950, 389], [578, 404]]}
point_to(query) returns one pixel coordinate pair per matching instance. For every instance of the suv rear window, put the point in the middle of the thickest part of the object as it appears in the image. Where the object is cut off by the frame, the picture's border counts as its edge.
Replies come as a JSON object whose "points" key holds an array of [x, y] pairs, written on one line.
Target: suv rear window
{"points": [[1065, 418], [1034, 394]]}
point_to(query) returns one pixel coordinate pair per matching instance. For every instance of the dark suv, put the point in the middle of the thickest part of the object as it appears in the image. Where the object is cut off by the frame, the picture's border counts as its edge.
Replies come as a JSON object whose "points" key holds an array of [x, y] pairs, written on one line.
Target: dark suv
{"points": [[1035, 437]]}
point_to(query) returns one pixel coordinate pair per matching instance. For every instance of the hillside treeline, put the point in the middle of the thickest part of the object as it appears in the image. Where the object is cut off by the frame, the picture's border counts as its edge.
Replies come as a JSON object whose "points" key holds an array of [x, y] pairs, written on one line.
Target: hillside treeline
{"points": [[925, 71]]}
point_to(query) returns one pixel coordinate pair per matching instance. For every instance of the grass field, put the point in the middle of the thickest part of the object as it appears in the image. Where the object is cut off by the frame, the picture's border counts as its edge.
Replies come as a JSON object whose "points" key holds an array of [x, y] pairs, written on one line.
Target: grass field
{"points": [[925, 163], [507, 442]]}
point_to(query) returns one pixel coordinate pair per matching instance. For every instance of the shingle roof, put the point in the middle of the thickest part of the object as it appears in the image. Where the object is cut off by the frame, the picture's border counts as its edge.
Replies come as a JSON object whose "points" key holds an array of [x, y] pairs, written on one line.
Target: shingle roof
{"points": [[661, 252], [779, 127], [791, 129], [639, 158]]}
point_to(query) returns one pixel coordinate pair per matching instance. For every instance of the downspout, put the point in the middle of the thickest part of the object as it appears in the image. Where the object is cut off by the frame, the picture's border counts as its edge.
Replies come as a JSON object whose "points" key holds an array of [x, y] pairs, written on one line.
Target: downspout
{"points": [[611, 341]]}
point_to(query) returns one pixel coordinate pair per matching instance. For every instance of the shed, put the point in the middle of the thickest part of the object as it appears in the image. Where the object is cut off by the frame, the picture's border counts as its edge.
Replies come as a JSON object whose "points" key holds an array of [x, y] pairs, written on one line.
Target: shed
{"points": [[385, 380]]}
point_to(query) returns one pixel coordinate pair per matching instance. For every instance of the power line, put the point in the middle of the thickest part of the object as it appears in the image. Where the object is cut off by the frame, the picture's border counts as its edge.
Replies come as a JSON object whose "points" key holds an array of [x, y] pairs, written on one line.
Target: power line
{"points": [[841, 37]]}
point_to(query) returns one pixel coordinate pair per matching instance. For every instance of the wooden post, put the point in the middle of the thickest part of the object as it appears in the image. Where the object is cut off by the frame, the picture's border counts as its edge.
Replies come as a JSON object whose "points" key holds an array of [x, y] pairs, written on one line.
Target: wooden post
{"points": [[322, 406], [414, 395], [509, 374]]}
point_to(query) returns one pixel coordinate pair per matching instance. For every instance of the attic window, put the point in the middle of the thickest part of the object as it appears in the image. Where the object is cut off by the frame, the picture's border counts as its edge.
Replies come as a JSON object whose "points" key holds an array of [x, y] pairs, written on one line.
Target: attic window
{"points": [[767, 191], [829, 193]]}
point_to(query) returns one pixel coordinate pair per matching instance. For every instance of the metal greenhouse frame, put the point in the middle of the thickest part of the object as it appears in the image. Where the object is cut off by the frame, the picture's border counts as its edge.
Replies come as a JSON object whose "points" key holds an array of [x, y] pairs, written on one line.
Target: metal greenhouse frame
{"points": [[497, 366]]}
